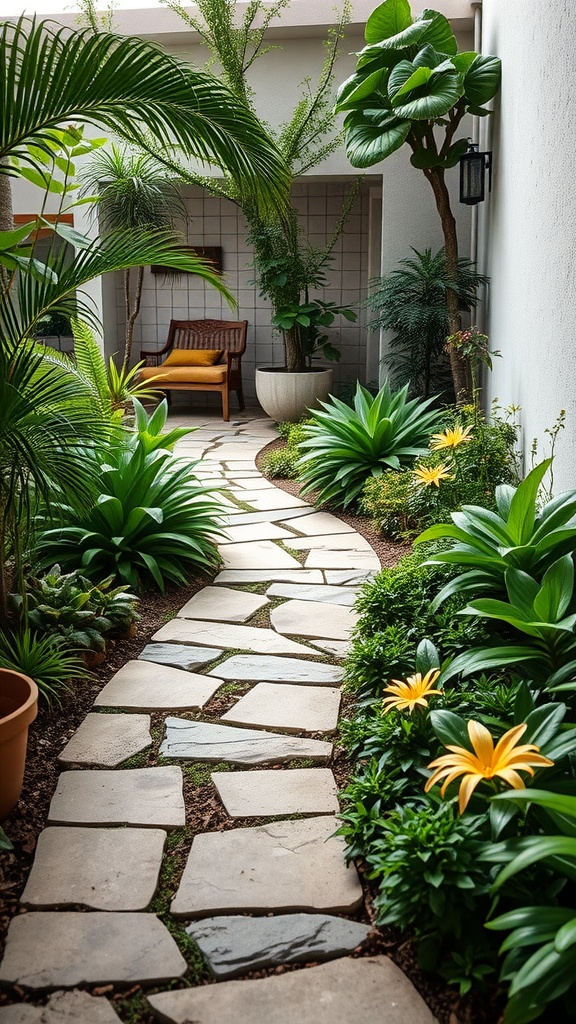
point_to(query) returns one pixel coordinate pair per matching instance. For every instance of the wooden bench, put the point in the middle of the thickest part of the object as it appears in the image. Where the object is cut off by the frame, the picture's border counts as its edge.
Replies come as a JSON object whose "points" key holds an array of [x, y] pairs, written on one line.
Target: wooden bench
{"points": [[172, 368]]}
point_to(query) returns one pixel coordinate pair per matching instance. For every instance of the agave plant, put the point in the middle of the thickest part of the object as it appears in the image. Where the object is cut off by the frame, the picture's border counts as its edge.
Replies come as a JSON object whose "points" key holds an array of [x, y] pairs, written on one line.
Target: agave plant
{"points": [[517, 536], [344, 446]]}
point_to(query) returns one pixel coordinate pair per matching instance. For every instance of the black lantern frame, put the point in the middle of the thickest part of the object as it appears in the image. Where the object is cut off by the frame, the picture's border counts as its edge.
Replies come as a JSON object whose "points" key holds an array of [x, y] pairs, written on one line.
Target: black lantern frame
{"points": [[473, 167]]}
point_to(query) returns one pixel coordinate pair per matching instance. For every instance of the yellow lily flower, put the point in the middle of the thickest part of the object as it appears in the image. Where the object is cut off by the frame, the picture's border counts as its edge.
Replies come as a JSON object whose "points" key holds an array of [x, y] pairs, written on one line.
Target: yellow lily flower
{"points": [[410, 692], [487, 762], [427, 475], [450, 438]]}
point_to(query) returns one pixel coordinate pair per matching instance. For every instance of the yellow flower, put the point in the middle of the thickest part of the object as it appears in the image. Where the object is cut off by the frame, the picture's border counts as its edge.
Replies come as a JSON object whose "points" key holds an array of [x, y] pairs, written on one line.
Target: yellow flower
{"points": [[487, 762], [410, 692], [428, 475], [451, 438]]}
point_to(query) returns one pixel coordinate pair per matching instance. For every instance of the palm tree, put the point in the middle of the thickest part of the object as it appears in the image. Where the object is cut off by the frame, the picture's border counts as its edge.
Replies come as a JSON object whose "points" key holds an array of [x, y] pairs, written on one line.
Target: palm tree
{"points": [[135, 193]]}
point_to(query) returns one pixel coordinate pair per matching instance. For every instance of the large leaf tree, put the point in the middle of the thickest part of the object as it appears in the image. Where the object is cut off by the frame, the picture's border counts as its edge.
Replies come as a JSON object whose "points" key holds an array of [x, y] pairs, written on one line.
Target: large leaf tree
{"points": [[412, 86]]}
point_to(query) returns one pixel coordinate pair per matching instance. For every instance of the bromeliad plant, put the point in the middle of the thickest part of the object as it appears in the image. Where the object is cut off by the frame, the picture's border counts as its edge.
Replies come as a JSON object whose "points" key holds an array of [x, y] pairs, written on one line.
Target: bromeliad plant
{"points": [[345, 446]]}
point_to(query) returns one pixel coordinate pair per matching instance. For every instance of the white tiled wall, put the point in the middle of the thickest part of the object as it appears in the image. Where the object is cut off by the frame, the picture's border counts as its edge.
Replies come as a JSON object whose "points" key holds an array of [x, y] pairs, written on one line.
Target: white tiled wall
{"points": [[218, 222]]}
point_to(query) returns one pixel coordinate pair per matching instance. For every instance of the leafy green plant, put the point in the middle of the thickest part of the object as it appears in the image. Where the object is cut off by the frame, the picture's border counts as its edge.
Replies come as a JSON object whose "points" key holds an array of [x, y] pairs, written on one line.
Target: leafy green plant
{"points": [[113, 389], [151, 520], [411, 302], [283, 461], [307, 318], [344, 446], [518, 536], [47, 659], [539, 961]]}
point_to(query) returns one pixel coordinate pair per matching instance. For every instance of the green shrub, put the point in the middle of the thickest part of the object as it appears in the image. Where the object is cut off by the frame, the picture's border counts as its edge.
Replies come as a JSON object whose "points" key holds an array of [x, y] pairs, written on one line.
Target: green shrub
{"points": [[282, 462], [46, 659], [344, 447]]}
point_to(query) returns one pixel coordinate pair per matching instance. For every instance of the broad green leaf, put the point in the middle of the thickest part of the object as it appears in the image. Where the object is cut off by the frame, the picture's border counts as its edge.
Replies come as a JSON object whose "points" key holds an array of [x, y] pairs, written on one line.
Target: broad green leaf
{"points": [[455, 153], [439, 32], [541, 848], [522, 591], [71, 235], [437, 98], [367, 144], [566, 936], [482, 80], [523, 505], [427, 657], [480, 659], [450, 728], [397, 88], [389, 19], [357, 87], [9, 239], [555, 594]]}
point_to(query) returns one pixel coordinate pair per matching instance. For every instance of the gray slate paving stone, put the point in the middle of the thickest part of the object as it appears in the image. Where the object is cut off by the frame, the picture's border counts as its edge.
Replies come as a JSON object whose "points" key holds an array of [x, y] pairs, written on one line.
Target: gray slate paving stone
{"points": [[265, 794], [62, 1008], [264, 501], [314, 619], [288, 708], [350, 577], [107, 740], [230, 636], [139, 685], [61, 949], [308, 592], [337, 648], [282, 866], [367, 990], [149, 797], [179, 655], [254, 668], [94, 867], [219, 604], [240, 576], [255, 531], [235, 945], [202, 741]]}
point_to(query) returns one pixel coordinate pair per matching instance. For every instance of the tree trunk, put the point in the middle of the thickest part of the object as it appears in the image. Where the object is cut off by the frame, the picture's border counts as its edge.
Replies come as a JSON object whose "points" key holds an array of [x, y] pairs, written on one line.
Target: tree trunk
{"points": [[459, 365], [295, 361], [132, 310], [6, 218]]}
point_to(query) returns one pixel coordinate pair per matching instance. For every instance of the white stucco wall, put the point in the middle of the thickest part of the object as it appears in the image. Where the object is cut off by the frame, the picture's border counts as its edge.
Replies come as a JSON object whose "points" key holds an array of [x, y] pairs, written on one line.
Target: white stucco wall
{"points": [[529, 224]]}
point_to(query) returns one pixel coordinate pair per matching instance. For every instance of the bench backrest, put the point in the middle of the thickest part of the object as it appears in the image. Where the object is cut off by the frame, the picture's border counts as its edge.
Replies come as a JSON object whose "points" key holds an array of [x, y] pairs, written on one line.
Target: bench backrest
{"points": [[228, 335]]}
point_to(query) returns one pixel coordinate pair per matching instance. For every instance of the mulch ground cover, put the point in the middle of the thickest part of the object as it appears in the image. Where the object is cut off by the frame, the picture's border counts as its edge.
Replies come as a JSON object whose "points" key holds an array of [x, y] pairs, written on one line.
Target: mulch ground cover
{"points": [[55, 725]]}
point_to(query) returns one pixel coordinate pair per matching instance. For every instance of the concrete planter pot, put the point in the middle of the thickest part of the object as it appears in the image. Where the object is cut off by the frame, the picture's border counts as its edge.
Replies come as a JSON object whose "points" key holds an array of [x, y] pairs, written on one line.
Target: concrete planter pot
{"points": [[18, 708], [286, 397]]}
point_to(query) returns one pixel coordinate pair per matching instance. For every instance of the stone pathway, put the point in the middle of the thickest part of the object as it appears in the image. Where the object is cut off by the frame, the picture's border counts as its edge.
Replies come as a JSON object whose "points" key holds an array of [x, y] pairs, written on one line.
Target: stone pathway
{"points": [[276, 625]]}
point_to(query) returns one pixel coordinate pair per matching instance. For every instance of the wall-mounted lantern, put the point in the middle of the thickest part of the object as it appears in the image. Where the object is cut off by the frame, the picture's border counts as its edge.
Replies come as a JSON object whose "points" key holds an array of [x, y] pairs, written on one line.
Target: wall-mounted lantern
{"points": [[473, 167]]}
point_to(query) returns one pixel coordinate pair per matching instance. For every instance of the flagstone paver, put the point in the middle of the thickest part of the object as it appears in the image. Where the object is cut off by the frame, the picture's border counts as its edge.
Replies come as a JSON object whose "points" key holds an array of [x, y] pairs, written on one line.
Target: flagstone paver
{"points": [[309, 592], [240, 576], [202, 741], [253, 483], [263, 554], [337, 648], [62, 949], [219, 604], [266, 794], [335, 542], [270, 516], [264, 501], [255, 668], [320, 523], [101, 868], [288, 708], [107, 740], [140, 685], [285, 865], [73, 1007], [334, 559], [255, 532], [235, 945], [149, 797], [314, 619], [349, 577], [370, 990], [179, 655], [247, 638]]}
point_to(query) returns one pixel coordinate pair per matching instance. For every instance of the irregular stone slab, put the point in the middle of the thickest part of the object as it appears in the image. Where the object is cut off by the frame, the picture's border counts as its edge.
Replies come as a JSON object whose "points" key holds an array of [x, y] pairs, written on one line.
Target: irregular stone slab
{"points": [[201, 741], [255, 483], [319, 523], [338, 648], [345, 991], [107, 740], [262, 554], [218, 604], [256, 531], [235, 945], [179, 655], [332, 559], [288, 708], [237, 465], [271, 516], [266, 794], [325, 594], [62, 1008], [246, 638], [314, 619], [95, 868], [265, 501], [135, 796], [286, 865], [52, 949], [349, 577], [250, 668], [138, 685], [266, 575], [334, 542]]}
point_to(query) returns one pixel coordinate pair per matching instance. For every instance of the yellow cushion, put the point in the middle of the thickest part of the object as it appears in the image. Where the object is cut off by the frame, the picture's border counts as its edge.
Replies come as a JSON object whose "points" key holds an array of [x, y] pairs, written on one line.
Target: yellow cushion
{"points": [[193, 357], [184, 374]]}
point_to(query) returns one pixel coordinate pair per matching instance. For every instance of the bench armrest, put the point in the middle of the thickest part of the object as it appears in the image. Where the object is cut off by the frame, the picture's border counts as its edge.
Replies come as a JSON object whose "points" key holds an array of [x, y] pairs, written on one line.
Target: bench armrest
{"points": [[149, 358]]}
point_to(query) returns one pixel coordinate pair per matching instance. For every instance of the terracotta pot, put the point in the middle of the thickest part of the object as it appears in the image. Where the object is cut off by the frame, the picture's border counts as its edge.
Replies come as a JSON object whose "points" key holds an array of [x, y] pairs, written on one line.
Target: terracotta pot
{"points": [[18, 708], [286, 397]]}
